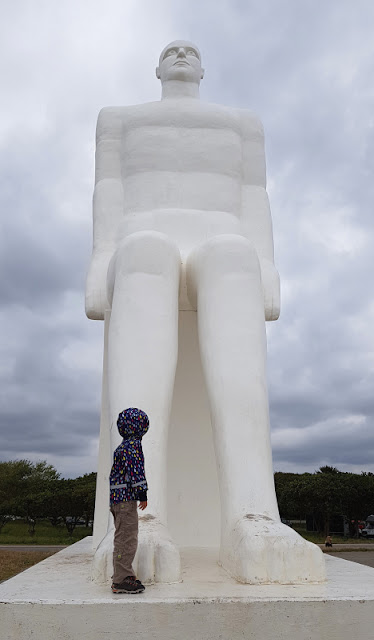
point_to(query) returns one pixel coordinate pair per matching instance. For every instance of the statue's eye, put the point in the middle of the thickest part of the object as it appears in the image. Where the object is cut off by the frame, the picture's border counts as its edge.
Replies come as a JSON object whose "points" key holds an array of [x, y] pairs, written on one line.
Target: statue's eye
{"points": [[191, 52], [170, 52]]}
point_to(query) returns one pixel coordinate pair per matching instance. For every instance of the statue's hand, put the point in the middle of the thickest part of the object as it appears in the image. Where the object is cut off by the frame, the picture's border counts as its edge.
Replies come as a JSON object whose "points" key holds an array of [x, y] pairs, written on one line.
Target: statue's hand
{"points": [[96, 286], [271, 289], [107, 215]]}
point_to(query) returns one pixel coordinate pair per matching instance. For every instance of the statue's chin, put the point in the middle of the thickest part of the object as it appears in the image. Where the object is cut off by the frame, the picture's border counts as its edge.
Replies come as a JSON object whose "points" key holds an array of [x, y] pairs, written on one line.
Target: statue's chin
{"points": [[181, 73]]}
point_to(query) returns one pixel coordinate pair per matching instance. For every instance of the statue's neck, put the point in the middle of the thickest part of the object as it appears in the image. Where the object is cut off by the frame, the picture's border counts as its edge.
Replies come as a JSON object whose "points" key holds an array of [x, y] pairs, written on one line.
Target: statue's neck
{"points": [[175, 89]]}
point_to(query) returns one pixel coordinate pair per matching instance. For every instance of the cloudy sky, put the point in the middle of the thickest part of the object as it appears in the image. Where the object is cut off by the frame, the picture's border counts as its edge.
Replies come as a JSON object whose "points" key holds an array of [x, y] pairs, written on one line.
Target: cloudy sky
{"points": [[307, 68]]}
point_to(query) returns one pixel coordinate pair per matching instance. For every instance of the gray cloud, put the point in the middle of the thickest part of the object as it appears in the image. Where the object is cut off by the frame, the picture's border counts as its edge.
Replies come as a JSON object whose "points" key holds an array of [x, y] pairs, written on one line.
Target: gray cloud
{"points": [[307, 73]]}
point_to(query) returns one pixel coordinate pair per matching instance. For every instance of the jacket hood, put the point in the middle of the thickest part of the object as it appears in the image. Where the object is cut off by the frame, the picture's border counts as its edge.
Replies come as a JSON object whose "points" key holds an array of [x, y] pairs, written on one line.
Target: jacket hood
{"points": [[132, 423]]}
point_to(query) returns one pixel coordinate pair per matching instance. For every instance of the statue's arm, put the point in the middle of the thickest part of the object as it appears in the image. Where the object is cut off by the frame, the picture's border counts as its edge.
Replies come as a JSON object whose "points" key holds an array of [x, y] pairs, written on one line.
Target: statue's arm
{"points": [[107, 208], [255, 214]]}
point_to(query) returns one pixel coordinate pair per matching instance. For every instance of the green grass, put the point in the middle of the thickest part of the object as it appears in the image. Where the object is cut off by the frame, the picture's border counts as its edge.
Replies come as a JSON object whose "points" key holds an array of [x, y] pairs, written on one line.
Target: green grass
{"points": [[17, 533], [319, 538]]}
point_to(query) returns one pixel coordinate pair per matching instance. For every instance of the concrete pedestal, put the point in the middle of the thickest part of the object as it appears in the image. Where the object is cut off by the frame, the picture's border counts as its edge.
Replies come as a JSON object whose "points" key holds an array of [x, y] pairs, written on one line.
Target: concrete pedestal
{"points": [[56, 600]]}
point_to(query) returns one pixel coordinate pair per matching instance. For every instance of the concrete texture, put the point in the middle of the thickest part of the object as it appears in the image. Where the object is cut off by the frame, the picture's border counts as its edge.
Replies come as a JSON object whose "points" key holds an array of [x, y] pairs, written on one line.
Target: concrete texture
{"points": [[56, 599]]}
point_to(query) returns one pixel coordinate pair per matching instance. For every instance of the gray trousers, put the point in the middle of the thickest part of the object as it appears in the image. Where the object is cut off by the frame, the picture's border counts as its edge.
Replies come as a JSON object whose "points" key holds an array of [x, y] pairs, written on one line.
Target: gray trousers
{"points": [[125, 516]]}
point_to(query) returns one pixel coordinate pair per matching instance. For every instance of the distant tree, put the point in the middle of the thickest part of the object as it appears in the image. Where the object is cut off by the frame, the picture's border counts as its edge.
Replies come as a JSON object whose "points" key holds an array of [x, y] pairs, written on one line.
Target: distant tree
{"points": [[35, 498], [10, 472], [328, 487], [55, 501], [24, 489], [74, 500], [296, 497], [318, 494], [6, 506], [85, 489], [329, 470], [282, 481], [357, 499]]}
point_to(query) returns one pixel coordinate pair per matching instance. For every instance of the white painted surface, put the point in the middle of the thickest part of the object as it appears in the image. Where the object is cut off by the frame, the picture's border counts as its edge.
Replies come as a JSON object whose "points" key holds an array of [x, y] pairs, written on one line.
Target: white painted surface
{"points": [[192, 483], [102, 521], [56, 599], [182, 223]]}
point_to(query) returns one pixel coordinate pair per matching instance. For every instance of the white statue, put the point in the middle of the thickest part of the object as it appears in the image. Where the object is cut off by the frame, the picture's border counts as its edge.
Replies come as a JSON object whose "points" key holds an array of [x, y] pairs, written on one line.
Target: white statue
{"points": [[182, 221]]}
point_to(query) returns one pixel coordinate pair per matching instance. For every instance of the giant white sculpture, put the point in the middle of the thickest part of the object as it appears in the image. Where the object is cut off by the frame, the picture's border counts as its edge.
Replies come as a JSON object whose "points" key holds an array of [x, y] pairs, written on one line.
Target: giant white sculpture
{"points": [[182, 222]]}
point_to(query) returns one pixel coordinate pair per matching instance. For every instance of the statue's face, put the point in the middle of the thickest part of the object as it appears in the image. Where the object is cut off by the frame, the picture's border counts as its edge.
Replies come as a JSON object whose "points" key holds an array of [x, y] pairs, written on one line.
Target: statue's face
{"points": [[180, 60]]}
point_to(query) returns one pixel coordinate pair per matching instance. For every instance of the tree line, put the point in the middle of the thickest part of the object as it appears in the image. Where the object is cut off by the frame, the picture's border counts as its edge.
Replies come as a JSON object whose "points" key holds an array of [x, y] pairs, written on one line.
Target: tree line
{"points": [[36, 491], [324, 495]]}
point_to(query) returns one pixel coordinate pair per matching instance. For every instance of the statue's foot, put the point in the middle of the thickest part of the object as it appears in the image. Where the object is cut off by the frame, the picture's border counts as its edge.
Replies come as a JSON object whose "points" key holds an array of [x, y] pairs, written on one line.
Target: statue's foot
{"points": [[102, 564], [259, 550], [157, 558]]}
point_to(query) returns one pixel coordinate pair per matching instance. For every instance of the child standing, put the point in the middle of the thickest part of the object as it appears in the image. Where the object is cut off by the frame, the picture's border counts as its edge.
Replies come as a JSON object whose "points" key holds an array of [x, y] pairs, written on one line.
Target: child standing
{"points": [[128, 485]]}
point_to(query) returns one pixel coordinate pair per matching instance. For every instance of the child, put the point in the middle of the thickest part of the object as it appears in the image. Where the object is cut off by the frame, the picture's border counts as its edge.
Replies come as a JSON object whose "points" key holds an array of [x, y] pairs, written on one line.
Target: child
{"points": [[127, 485], [328, 541]]}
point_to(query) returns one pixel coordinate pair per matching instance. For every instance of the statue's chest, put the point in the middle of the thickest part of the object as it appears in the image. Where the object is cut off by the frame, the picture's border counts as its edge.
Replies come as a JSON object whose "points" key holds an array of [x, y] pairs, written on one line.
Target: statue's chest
{"points": [[181, 142]]}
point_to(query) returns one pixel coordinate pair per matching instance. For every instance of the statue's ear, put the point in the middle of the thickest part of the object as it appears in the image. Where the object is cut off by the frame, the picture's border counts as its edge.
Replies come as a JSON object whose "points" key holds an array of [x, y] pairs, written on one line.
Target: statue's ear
{"points": [[158, 72], [202, 73]]}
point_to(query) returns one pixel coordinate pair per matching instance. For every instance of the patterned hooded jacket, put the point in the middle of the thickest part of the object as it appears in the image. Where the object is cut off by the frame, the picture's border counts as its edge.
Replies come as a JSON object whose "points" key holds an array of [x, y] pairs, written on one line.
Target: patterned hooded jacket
{"points": [[127, 476]]}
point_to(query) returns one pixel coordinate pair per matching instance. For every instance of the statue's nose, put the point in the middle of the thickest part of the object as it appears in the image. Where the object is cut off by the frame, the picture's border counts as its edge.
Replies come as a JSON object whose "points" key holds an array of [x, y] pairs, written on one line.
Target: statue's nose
{"points": [[181, 53]]}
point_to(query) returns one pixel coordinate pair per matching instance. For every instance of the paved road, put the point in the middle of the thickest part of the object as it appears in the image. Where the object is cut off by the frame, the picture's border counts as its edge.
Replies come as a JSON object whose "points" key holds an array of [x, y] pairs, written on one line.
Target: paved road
{"points": [[33, 547], [362, 557]]}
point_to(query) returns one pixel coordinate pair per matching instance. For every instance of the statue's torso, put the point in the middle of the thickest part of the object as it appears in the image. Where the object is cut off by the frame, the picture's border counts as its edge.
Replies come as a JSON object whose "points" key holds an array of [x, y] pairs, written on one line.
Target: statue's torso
{"points": [[181, 166]]}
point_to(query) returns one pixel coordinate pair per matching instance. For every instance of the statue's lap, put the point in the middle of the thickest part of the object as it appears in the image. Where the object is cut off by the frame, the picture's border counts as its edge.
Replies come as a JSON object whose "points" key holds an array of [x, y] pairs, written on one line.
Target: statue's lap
{"points": [[187, 228]]}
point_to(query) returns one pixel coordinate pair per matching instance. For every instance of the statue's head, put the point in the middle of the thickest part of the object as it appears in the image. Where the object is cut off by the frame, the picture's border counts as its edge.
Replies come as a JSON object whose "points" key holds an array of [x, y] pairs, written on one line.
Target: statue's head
{"points": [[180, 60]]}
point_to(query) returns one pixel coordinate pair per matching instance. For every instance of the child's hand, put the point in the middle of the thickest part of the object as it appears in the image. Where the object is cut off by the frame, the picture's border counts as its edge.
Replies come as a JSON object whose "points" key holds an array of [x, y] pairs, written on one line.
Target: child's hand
{"points": [[143, 505]]}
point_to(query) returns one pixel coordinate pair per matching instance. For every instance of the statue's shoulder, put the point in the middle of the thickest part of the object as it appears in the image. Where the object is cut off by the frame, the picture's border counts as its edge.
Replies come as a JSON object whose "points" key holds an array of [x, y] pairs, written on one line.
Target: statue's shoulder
{"points": [[247, 121], [109, 122], [250, 123]]}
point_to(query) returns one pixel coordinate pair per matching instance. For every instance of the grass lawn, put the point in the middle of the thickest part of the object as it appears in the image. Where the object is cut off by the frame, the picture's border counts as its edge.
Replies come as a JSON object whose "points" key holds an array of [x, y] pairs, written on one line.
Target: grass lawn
{"points": [[318, 538], [13, 562], [16, 532]]}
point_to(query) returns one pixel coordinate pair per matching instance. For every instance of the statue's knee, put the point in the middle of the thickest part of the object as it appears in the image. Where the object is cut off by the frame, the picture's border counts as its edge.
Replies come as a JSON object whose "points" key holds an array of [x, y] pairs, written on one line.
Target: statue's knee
{"points": [[220, 256], [147, 252], [144, 252]]}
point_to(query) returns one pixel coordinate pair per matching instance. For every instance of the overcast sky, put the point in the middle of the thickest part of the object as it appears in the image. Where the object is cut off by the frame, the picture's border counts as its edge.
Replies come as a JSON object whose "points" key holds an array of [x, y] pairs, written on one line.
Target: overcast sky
{"points": [[307, 69]]}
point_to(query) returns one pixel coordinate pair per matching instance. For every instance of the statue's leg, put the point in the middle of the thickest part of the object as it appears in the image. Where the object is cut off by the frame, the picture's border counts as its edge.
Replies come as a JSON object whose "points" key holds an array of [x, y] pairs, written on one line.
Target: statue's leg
{"points": [[225, 284], [143, 284]]}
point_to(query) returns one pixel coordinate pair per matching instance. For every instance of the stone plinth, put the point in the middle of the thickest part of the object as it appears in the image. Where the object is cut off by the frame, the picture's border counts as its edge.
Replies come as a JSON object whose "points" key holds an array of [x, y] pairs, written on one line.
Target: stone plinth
{"points": [[56, 599]]}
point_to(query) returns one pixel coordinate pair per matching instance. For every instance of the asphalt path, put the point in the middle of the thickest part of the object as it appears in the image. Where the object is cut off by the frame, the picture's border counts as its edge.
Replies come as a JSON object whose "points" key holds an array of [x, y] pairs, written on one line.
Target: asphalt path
{"points": [[362, 557]]}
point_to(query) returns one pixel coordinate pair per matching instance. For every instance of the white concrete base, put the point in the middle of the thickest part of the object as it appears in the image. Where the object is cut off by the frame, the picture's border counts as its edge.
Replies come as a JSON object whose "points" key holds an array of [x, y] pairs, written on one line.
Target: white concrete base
{"points": [[57, 600]]}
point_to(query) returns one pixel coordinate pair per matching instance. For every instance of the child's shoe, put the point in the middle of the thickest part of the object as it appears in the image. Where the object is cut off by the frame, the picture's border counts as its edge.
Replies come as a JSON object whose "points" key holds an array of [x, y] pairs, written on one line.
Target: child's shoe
{"points": [[128, 585]]}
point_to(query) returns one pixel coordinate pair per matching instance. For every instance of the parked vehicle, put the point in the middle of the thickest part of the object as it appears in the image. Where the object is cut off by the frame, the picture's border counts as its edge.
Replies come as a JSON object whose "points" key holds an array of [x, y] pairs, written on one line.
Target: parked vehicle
{"points": [[79, 522], [368, 530]]}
